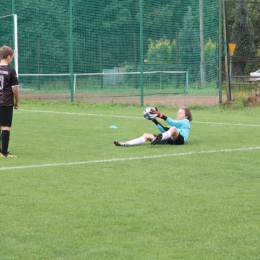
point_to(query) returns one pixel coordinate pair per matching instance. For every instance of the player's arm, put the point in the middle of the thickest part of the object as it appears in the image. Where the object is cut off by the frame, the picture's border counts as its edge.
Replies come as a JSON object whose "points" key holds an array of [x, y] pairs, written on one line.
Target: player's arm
{"points": [[170, 121], [160, 126], [15, 90]]}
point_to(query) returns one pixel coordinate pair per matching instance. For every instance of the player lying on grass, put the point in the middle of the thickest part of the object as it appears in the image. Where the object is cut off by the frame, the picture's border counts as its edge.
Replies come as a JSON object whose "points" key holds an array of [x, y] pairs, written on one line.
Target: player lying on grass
{"points": [[175, 134]]}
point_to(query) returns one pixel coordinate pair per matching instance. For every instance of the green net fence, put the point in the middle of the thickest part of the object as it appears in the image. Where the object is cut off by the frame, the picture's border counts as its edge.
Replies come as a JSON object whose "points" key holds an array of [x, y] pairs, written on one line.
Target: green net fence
{"points": [[122, 51]]}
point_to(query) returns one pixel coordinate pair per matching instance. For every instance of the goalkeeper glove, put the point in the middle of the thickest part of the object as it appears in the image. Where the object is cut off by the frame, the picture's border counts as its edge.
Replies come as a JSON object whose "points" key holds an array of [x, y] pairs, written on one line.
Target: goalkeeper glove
{"points": [[158, 113]]}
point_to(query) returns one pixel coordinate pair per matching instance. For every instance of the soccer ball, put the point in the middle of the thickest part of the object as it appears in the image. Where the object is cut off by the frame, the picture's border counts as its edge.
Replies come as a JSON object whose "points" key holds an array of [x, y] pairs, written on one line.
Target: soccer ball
{"points": [[147, 113]]}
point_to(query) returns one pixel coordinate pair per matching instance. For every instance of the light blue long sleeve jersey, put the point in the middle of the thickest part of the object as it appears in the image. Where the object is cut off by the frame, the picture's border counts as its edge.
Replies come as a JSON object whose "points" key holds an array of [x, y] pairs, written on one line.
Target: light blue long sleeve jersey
{"points": [[183, 126]]}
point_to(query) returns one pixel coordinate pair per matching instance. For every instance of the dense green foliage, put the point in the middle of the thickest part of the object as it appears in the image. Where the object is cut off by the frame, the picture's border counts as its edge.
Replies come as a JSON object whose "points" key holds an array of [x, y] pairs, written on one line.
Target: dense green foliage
{"points": [[105, 33], [189, 45], [242, 19], [243, 36]]}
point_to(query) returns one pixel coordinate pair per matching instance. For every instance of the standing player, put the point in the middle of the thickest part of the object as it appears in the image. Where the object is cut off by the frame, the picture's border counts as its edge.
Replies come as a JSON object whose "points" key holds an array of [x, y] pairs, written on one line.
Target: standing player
{"points": [[176, 133], [9, 97]]}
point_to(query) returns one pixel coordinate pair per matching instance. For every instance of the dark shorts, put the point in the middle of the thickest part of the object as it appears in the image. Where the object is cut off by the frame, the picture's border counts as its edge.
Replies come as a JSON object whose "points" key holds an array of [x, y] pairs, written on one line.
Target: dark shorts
{"points": [[6, 116], [178, 141]]}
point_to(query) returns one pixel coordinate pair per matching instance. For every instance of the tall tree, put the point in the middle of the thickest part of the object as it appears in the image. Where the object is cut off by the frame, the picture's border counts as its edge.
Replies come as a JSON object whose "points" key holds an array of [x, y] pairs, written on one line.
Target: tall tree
{"points": [[243, 36], [189, 46]]}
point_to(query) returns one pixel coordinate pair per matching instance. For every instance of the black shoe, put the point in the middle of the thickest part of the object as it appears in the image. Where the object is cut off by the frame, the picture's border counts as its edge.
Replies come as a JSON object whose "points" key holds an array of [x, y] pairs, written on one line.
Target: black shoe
{"points": [[117, 143], [157, 139], [7, 155]]}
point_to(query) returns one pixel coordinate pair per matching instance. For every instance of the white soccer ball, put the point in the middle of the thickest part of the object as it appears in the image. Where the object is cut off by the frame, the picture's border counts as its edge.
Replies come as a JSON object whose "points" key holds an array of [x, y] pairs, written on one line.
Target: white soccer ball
{"points": [[147, 113]]}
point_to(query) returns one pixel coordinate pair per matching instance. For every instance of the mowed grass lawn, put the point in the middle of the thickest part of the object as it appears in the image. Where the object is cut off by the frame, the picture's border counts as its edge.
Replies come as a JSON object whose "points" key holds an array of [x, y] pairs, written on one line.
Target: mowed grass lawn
{"points": [[72, 194]]}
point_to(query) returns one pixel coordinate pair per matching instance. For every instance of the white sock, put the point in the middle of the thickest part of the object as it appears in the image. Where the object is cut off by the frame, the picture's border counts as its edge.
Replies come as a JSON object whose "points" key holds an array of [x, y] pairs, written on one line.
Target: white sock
{"points": [[166, 135], [137, 141]]}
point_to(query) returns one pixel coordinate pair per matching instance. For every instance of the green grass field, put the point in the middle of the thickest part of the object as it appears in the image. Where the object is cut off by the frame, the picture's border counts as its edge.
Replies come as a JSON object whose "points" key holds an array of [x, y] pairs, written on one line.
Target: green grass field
{"points": [[71, 194]]}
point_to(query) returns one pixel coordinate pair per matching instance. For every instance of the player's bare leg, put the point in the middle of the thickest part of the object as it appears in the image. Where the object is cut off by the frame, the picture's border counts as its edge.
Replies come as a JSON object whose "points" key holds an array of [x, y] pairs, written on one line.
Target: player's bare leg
{"points": [[171, 133], [174, 133], [148, 137], [137, 141]]}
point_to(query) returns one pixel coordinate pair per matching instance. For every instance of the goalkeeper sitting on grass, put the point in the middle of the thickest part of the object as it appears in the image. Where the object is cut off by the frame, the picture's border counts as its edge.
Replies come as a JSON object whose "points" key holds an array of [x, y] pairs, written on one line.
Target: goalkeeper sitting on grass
{"points": [[175, 134]]}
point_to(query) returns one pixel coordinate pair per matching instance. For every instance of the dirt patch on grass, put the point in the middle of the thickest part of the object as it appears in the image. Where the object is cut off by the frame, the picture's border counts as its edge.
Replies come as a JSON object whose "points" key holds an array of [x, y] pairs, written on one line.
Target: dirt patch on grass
{"points": [[169, 100]]}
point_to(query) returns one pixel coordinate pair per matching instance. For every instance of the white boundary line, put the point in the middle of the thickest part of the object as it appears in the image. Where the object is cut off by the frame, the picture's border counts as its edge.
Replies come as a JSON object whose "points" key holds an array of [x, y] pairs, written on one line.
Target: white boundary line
{"points": [[102, 115], [219, 123], [78, 114], [127, 159]]}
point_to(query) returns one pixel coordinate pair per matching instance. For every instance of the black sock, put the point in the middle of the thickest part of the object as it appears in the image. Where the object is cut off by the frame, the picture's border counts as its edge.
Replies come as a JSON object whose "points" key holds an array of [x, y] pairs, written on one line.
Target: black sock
{"points": [[155, 121], [5, 141]]}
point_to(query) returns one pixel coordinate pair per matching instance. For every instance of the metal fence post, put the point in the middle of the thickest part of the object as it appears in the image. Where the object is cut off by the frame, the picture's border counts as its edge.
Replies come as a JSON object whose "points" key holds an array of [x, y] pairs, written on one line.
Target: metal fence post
{"points": [[141, 54], [71, 56]]}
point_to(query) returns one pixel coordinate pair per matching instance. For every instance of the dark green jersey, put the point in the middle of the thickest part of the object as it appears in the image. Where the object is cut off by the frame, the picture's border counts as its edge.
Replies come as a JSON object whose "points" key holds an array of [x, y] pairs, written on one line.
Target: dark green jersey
{"points": [[8, 79]]}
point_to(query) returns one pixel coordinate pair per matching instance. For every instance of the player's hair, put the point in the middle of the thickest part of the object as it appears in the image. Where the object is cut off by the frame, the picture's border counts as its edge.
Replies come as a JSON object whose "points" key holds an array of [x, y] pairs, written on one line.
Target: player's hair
{"points": [[5, 51], [187, 113]]}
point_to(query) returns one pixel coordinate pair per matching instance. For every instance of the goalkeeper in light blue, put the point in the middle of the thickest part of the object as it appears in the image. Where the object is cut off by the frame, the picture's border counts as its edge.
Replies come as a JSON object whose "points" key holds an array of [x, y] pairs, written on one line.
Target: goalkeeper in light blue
{"points": [[176, 133]]}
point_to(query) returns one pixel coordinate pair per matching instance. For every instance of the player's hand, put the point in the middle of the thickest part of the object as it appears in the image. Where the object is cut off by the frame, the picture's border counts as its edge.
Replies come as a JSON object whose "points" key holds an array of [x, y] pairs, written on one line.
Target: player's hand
{"points": [[16, 105], [158, 113]]}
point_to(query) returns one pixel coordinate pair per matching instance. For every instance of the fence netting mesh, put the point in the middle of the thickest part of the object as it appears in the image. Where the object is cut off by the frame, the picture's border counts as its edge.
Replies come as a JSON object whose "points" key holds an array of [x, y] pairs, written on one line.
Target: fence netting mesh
{"points": [[98, 43]]}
